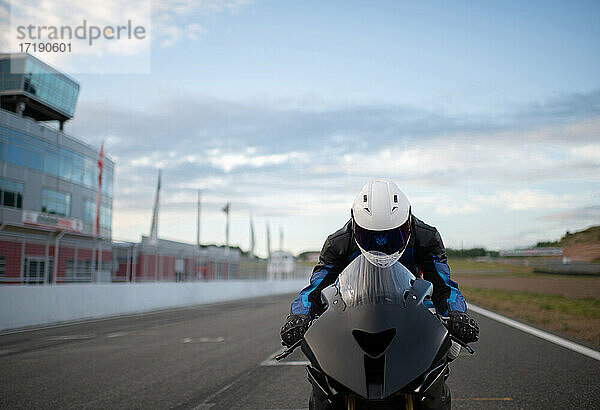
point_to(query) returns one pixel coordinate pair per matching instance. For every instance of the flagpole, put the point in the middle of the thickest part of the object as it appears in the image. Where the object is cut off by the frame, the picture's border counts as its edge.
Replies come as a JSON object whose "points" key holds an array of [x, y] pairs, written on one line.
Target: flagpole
{"points": [[198, 220], [252, 241], [154, 226], [97, 221], [227, 230], [280, 238], [268, 241], [99, 193], [226, 210]]}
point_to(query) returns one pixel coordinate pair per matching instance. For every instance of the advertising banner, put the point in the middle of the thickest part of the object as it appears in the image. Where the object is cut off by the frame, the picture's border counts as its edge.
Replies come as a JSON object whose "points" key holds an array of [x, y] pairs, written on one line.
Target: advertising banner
{"points": [[52, 221]]}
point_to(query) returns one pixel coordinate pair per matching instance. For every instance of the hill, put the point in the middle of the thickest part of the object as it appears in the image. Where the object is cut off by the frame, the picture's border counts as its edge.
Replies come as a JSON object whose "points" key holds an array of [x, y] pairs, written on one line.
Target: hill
{"points": [[587, 236], [582, 246]]}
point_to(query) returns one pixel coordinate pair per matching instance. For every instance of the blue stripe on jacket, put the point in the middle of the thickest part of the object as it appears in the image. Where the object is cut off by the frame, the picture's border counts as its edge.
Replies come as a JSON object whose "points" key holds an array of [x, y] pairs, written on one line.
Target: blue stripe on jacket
{"points": [[301, 305], [456, 301]]}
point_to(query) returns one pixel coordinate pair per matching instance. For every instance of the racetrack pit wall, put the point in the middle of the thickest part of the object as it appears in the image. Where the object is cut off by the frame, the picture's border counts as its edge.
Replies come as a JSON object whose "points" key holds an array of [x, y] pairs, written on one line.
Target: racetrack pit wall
{"points": [[27, 305]]}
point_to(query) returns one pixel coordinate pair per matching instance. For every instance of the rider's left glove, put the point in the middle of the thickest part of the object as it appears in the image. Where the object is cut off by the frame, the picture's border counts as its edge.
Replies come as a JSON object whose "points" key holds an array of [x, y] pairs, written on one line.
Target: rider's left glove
{"points": [[294, 328], [463, 327]]}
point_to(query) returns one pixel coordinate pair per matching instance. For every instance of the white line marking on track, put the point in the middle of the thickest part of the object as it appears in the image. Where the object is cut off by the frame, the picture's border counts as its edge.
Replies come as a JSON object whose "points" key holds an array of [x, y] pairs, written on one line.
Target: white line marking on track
{"points": [[116, 334], [210, 339], [203, 339], [203, 406], [291, 363], [536, 332], [208, 401], [270, 361], [205, 403], [70, 337]]}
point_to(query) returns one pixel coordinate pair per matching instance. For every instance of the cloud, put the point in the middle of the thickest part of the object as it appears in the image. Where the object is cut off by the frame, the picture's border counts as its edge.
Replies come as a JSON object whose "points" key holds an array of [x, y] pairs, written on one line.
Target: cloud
{"points": [[285, 160], [456, 209], [178, 20], [526, 199], [228, 162], [560, 109], [588, 214], [588, 153], [518, 200], [198, 7]]}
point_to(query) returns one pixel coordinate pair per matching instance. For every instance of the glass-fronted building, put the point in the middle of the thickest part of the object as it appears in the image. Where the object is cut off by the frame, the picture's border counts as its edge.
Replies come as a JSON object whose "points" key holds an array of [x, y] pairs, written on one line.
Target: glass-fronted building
{"points": [[43, 93], [48, 180], [48, 196], [62, 170]]}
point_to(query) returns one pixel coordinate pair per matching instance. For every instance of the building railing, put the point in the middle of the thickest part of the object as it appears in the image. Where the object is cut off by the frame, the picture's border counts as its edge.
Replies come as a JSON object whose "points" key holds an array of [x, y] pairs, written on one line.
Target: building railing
{"points": [[38, 260]]}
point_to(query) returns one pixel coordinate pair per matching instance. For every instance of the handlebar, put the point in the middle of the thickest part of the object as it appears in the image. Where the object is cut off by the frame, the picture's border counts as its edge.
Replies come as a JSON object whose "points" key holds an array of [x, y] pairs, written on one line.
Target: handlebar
{"points": [[463, 344], [288, 351], [445, 320]]}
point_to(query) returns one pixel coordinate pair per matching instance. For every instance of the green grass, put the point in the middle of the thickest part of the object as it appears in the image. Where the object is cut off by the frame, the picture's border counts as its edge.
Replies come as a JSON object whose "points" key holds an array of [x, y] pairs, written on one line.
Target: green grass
{"points": [[460, 265], [577, 307]]}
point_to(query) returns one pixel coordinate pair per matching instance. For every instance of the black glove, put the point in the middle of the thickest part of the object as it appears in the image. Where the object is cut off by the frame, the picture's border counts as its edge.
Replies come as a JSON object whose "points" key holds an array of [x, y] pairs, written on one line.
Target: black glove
{"points": [[463, 327], [294, 328]]}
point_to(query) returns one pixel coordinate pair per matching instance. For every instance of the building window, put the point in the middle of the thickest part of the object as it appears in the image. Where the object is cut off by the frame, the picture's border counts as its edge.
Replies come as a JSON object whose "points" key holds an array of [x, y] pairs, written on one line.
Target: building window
{"points": [[89, 214], [83, 271], [90, 178], [51, 163], [2, 265], [56, 90], [18, 148], [77, 171], [66, 164], [107, 182], [33, 271], [105, 216], [56, 203], [11, 193], [15, 155], [35, 160], [71, 167]]}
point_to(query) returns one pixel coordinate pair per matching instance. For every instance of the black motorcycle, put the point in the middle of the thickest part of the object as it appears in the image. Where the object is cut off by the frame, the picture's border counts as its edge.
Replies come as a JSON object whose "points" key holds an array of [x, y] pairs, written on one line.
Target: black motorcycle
{"points": [[378, 345]]}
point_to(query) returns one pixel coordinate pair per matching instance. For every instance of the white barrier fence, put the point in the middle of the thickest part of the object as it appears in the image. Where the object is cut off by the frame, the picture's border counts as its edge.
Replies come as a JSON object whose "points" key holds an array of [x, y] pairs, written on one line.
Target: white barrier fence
{"points": [[22, 305]]}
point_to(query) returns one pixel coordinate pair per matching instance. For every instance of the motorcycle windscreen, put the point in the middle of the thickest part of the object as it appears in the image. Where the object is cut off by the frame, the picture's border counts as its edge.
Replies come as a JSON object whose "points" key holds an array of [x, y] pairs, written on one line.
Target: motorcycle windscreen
{"points": [[376, 336], [363, 283]]}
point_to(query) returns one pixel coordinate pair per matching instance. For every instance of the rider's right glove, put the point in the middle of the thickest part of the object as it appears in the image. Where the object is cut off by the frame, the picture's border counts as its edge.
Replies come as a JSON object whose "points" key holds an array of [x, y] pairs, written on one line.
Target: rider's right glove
{"points": [[294, 328], [463, 327]]}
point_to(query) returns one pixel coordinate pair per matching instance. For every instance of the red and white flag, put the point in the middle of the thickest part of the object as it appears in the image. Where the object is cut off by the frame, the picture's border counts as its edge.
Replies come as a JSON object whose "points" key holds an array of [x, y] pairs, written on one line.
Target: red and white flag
{"points": [[99, 193]]}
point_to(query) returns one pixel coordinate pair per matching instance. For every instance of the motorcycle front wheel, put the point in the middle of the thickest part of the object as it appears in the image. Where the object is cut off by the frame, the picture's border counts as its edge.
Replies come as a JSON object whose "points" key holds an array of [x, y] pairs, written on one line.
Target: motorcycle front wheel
{"points": [[351, 402], [409, 403]]}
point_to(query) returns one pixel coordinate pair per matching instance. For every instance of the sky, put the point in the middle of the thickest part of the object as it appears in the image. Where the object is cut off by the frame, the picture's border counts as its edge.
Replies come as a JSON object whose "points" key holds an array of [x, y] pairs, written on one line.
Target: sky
{"points": [[486, 114]]}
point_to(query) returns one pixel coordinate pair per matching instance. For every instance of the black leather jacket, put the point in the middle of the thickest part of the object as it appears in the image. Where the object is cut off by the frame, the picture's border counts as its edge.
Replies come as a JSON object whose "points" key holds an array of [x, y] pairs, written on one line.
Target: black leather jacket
{"points": [[425, 256]]}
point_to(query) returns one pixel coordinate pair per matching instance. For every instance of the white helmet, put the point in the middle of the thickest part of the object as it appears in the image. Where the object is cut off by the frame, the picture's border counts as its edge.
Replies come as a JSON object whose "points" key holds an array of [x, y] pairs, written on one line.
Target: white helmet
{"points": [[381, 222]]}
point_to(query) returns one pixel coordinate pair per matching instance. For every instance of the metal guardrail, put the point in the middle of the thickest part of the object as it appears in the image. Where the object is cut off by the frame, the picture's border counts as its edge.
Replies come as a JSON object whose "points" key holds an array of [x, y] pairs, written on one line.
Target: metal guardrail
{"points": [[50, 258], [549, 266], [573, 268]]}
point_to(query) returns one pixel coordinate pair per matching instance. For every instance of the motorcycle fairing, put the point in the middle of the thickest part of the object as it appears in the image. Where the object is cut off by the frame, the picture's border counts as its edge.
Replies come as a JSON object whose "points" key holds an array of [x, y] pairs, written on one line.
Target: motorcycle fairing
{"points": [[418, 338]]}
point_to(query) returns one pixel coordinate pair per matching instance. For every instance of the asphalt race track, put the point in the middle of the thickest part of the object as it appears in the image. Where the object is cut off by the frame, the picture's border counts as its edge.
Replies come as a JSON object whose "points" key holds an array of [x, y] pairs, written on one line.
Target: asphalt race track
{"points": [[217, 357]]}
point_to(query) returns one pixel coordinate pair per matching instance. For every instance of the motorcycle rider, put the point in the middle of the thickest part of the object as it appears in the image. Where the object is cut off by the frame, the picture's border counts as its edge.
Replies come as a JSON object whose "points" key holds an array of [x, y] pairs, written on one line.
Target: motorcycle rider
{"points": [[384, 230]]}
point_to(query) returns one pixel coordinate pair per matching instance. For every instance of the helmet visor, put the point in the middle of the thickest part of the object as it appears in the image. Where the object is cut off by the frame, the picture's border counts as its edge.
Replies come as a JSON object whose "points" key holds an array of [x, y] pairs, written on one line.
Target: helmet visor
{"points": [[387, 242]]}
